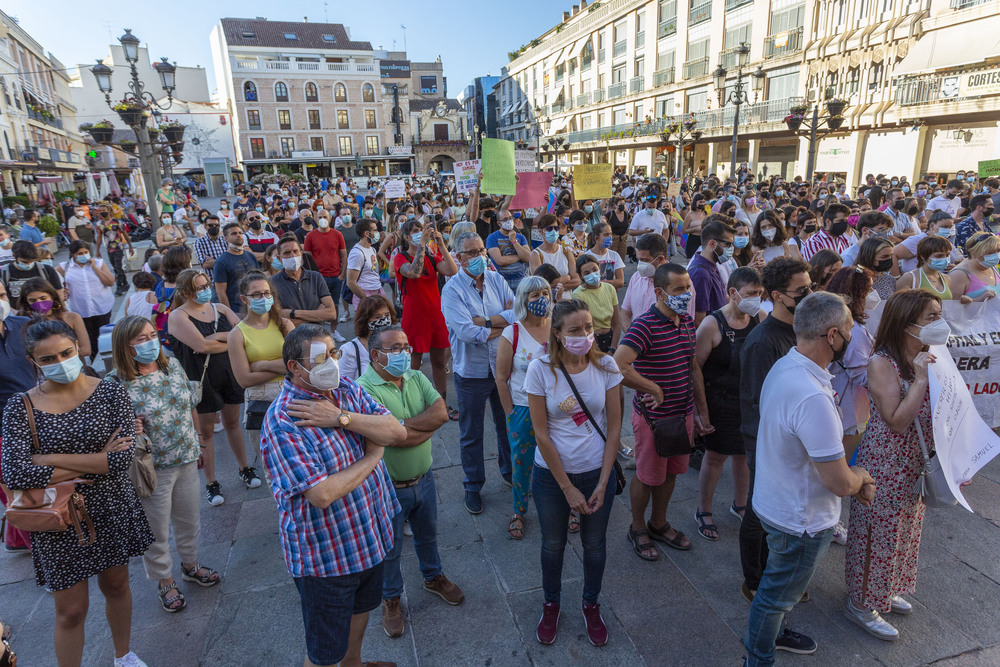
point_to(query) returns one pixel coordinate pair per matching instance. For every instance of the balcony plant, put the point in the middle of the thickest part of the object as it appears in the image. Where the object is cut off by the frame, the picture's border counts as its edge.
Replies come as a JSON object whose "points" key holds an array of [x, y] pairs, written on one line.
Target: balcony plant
{"points": [[690, 122], [154, 134], [798, 109], [835, 122], [835, 106], [85, 127], [794, 121], [127, 145], [173, 130], [102, 131], [132, 113]]}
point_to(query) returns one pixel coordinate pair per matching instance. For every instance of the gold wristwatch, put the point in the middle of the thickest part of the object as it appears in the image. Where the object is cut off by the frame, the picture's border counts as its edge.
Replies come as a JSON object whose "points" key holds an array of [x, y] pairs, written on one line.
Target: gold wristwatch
{"points": [[344, 419]]}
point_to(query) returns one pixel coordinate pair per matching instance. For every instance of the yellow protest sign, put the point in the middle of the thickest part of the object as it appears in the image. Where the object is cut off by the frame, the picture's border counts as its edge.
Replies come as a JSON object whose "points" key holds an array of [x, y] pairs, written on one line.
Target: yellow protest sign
{"points": [[591, 181], [498, 167]]}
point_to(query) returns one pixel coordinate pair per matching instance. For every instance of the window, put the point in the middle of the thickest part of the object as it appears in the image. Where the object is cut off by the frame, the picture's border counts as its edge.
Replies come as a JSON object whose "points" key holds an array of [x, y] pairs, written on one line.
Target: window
{"points": [[287, 146], [640, 29], [668, 18], [698, 50], [782, 86], [312, 94], [839, 12], [280, 92], [368, 93], [440, 132], [329, 38], [342, 121], [665, 61], [253, 119], [618, 116], [314, 123], [291, 35], [340, 93], [664, 106], [587, 56], [249, 34], [372, 145], [618, 74], [697, 101], [397, 115], [853, 80], [369, 119], [640, 66], [284, 119], [428, 84], [560, 72], [789, 19], [316, 144], [249, 92], [737, 35], [875, 76], [345, 146], [257, 148]]}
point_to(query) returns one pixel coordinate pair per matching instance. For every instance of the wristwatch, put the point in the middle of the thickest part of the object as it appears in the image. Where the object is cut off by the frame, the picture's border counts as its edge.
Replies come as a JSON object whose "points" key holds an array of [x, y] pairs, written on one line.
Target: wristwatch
{"points": [[344, 419], [291, 315]]}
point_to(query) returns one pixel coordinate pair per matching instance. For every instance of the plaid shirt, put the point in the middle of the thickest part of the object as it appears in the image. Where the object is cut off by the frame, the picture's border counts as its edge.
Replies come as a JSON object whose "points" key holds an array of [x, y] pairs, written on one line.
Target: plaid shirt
{"points": [[354, 533], [207, 248]]}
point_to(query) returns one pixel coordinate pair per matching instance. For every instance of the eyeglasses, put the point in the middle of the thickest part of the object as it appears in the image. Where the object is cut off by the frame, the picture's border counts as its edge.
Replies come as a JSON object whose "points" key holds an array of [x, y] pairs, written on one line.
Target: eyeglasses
{"points": [[395, 349], [322, 357], [474, 253], [551, 228], [802, 291], [260, 295]]}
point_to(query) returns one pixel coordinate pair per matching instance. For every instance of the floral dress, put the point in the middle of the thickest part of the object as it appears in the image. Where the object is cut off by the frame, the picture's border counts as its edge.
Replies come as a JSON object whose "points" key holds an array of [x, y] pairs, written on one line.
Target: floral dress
{"points": [[883, 540]]}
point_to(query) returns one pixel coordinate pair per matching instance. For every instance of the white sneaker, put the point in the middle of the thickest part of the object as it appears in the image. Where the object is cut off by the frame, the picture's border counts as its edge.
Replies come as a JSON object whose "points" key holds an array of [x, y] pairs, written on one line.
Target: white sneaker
{"points": [[840, 533], [871, 621], [338, 338], [407, 530], [218, 425], [346, 317], [130, 659]]}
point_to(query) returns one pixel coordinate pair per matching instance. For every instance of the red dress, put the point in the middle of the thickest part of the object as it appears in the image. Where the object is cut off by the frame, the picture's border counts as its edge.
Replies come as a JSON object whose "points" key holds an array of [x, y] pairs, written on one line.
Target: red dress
{"points": [[423, 322], [883, 540]]}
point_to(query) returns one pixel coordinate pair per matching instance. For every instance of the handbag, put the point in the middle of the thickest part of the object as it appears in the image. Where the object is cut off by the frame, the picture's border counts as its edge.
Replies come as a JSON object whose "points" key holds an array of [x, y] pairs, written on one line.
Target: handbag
{"points": [[258, 399], [670, 434], [931, 485], [196, 385], [616, 468], [141, 470], [55, 508]]}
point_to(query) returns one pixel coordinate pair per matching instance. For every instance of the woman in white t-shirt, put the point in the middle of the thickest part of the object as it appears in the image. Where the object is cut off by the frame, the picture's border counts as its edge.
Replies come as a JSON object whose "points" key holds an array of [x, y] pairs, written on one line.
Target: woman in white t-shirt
{"points": [[89, 281], [572, 454], [552, 252], [520, 344]]}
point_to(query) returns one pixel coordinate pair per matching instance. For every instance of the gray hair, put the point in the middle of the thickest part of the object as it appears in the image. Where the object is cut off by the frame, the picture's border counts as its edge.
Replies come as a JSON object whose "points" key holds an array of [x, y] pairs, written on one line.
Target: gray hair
{"points": [[463, 237], [375, 337], [164, 181], [818, 313], [460, 228], [296, 345], [528, 285]]}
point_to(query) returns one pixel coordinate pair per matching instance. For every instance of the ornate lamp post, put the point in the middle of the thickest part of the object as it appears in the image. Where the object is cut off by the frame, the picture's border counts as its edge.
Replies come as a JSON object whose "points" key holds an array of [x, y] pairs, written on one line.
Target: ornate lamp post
{"points": [[738, 95], [814, 128], [535, 130], [475, 137], [133, 110], [557, 143], [684, 134]]}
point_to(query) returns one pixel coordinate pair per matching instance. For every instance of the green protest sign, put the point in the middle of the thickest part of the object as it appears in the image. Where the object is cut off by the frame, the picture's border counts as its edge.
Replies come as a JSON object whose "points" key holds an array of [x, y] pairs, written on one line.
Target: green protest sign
{"points": [[989, 168], [498, 167]]}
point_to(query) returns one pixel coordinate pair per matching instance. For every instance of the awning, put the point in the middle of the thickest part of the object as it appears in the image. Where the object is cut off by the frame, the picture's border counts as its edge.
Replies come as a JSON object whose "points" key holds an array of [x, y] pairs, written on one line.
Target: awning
{"points": [[506, 110], [578, 47], [952, 47], [560, 57], [558, 125]]}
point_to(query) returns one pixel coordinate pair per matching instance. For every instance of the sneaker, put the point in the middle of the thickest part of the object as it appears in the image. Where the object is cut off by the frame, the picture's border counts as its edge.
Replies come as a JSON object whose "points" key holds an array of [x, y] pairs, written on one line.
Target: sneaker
{"points": [[548, 624], [748, 592], [338, 337], [392, 617], [407, 530], [473, 502], [597, 631], [249, 477], [130, 659], [794, 642], [901, 606], [345, 317], [218, 425], [16, 550], [871, 622], [445, 589], [214, 492], [840, 533]]}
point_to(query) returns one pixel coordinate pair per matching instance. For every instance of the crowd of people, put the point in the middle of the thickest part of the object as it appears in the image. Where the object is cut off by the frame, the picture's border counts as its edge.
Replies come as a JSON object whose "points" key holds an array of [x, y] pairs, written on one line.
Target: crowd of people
{"points": [[742, 333]]}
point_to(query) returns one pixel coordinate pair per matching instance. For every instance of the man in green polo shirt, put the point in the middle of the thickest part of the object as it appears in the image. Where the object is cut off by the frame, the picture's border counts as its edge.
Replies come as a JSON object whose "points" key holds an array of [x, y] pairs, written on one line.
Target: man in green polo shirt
{"points": [[412, 399]]}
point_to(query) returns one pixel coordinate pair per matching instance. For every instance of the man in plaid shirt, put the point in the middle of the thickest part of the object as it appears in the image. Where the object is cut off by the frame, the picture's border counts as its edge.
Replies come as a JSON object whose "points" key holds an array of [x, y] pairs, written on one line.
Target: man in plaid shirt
{"points": [[211, 247], [322, 441]]}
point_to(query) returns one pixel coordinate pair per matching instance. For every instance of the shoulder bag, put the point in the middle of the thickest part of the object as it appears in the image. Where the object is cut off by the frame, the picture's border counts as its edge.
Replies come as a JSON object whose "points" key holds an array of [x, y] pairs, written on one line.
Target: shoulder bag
{"points": [[616, 468], [141, 471], [55, 508], [931, 485], [196, 384]]}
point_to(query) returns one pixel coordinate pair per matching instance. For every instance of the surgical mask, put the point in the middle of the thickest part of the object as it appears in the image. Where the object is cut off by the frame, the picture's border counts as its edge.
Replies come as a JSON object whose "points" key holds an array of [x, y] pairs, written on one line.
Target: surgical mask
{"points": [[935, 333], [397, 363], [921, 192], [989, 261], [368, 213], [260, 209], [203, 296], [223, 205], [345, 219], [167, 221], [262, 305], [645, 269], [810, 228], [899, 204], [726, 255], [63, 372], [507, 225], [255, 225], [741, 241], [679, 302], [375, 236], [593, 278], [276, 264], [22, 266], [539, 307], [383, 321], [45, 262], [749, 305], [872, 300], [323, 223], [588, 208], [148, 351], [769, 234], [551, 236], [580, 226], [606, 242], [938, 263], [578, 344], [42, 307], [292, 263], [477, 265], [751, 201], [906, 190], [4, 309], [6, 243], [325, 376], [415, 237], [82, 259]]}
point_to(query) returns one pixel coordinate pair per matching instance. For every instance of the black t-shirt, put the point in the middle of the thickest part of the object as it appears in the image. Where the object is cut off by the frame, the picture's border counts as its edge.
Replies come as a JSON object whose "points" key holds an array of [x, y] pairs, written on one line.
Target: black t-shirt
{"points": [[619, 227], [486, 225], [769, 341], [795, 201], [14, 277]]}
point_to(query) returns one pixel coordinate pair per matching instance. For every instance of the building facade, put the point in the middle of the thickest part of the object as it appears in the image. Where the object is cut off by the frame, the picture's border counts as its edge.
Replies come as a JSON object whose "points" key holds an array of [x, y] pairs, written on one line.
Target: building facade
{"points": [[615, 75], [480, 106]]}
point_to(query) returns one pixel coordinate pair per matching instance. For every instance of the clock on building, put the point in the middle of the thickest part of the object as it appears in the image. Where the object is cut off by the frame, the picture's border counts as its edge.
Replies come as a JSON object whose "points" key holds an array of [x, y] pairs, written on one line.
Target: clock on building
{"points": [[440, 109]]}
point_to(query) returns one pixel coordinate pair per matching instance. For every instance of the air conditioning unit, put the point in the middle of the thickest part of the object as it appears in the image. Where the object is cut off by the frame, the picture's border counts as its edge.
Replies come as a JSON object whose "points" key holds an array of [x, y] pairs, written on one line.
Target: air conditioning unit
{"points": [[275, 154], [811, 95]]}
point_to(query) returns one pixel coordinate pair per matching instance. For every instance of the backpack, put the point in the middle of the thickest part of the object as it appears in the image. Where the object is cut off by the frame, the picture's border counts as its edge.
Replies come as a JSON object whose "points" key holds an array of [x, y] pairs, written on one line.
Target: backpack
{"points": [[161, 313]]}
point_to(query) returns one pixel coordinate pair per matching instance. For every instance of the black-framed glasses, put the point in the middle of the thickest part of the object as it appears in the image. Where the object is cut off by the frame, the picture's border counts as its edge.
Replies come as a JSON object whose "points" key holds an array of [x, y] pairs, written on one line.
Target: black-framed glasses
{"points": [[551, 228], [802, 291], [260, 295], [395, 349], [724, 244], [473, 253]]}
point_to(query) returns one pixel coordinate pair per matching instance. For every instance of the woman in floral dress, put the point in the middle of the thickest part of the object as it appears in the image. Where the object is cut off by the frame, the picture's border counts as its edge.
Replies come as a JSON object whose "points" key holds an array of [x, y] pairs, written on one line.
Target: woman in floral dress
{"points": [[883, 539]]}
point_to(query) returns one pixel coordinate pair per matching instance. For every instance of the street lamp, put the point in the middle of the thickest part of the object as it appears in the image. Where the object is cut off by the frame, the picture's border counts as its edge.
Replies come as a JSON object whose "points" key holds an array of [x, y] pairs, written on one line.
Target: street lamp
{"points": [[475, 136], [557, 143], [738, 96], [535, 129], [685, 134], [798, 124]]}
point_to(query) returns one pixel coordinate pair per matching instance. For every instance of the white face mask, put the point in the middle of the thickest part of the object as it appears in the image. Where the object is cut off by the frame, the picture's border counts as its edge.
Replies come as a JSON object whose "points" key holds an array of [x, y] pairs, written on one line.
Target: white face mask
{"points": [[872, 300], [935, 333], [645, 269], [292, 263], [749, 305], [325, 376], [4, 309], [769, 233], [323, 223]]}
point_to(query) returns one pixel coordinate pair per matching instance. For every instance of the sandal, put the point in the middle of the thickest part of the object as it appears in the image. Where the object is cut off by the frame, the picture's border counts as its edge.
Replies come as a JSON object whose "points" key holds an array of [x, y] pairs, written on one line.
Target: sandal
{"points": [[707, 530], [173, 604], [645, 551], [453, 414], [210, 578], [660, 535], [574, 522], [516, 527], [738, 510]]}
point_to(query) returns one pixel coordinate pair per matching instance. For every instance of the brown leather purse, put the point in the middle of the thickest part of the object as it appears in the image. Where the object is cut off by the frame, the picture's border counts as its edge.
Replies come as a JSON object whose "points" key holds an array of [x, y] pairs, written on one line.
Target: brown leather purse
{"points": [[55, 508]]}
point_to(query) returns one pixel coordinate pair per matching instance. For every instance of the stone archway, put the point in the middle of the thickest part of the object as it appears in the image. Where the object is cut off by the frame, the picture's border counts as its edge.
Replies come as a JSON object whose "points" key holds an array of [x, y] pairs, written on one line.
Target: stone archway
{"points": [[441, 162], [440, 156]]}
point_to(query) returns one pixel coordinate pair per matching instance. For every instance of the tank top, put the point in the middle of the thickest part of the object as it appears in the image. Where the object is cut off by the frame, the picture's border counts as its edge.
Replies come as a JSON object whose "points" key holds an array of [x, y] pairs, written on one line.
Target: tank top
{"points": [[926, 285], [137, 305], [558, 260], [977, 287], [722, 368], [262, 344]]}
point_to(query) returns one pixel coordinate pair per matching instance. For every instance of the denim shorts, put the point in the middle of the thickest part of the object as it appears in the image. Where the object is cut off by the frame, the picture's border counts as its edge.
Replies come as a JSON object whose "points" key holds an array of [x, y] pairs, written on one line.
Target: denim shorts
{"points": [[328, 603]]}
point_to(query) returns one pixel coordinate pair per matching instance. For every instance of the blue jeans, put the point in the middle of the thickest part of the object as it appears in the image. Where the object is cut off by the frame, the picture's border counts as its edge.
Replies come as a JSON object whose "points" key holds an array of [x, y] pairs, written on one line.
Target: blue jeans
{"points": [[790, 567], [419, 507], [553, 517], [336, 286], [472, 396]]}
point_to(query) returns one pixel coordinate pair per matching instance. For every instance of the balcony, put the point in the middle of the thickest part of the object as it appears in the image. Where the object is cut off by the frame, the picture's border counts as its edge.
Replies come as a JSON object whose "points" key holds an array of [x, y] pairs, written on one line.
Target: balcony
{"points": [[733, 4], [663, 77], [636, 84], [44, 117], [620, 49], [668, 27], [583, 99], [730, 58], [783, 43], [600, 56], [598, 95], [617, 90], [965, 4], [262, 64], [700, 13], [558, 107], [695, 68]]}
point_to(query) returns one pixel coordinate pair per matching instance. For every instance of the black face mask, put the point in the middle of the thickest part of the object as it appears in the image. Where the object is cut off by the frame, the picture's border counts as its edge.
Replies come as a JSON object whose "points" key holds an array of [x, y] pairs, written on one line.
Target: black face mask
{"points": [[912, 210], [838, 228], [255, 225], [899, 204], [839, 354], [797, 300], [950, 195], [309, 221], [883, 266], [213, 230]]}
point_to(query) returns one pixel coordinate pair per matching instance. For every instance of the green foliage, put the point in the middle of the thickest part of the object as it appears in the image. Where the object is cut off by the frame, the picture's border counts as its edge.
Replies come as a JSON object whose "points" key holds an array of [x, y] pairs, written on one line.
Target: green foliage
{"points": [[14, 200], [48, 225], [103, 125], [285, 170]]}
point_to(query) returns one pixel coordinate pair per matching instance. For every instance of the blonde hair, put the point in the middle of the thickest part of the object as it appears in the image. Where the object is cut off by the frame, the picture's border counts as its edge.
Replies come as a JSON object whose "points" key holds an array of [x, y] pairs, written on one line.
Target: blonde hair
{"points": [[126, 368], [985, 243], [184, 286]]}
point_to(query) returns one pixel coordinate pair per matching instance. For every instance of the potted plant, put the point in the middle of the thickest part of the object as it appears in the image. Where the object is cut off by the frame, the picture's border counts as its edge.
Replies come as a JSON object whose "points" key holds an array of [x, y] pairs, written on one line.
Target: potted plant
{"points": [[85, 127], [690, 122], [835, 106], [794, 121], [834, 122], [131, 112], [172, 130], [154, 134], [799, 109], [49, 226], [102, 131], [127, 145]]}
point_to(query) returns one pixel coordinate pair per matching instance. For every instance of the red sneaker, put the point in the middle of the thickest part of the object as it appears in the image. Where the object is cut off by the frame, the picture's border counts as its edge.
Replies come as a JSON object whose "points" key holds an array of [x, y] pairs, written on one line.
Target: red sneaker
{"points": [[596, 630], [548, 625]]}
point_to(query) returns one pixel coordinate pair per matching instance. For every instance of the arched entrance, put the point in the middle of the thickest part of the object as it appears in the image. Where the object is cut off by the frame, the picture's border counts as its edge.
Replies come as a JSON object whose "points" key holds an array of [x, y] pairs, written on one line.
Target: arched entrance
{"points": [[440, 163]]}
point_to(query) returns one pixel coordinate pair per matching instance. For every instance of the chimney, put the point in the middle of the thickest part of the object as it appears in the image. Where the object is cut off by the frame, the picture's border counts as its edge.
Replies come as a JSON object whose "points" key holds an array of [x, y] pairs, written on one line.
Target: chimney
{"points": [[583, 4], [305, 19], [566, 16], [576, 9]]}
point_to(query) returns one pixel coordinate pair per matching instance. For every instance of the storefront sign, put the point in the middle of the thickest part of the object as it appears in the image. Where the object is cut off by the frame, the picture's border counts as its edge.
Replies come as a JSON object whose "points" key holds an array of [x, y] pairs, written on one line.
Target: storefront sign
{"points": [[394, 69], [973, 84], [399, 150], [835, 154]]}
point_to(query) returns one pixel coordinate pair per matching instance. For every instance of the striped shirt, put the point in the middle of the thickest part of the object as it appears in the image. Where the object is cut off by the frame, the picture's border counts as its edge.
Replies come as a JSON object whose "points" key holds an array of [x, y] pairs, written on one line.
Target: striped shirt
{"points": [[664, 356], [821, 240]]}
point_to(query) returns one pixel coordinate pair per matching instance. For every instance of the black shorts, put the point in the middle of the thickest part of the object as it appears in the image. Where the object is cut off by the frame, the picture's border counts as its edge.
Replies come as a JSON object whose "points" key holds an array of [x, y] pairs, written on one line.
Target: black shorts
{"points": [[219, 389], [328, 603]]}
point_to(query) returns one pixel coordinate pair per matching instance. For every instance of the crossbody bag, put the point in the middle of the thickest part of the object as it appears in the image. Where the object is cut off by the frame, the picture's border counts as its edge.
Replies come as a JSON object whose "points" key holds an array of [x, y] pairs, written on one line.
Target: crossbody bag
{"points": [[931, 485], [196, 385], [616, 468]]}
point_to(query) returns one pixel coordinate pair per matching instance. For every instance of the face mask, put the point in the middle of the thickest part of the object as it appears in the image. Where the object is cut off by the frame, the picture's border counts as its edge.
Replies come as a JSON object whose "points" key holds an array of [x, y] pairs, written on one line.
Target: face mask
{"points": [[921, 192], [679, 302], [224, 205], [872, 300], [259, 209], [446, 236], [838, 228], [203, 296], [410, 216], [950, 195], [262, 305], [4, 309], [726, 255], [751, 201], [276, 264], [255, 225], [415, 237], [551, 236], [292, 263], [22, 266], [809, 229], [368, 212], [213, 230], [42, 307], [45, 262], [383, 321], [606, 242], [6, 244], [578, 344], [63, 372], [345, 218], [477, 265], [645, 269], [741, 241], [397, 364], [989, 261], [507, 225], [147, 352], [326, 375], [797, 300], [898, 204], [539, 307], [593, 278], [82, 259], [323, 223], [935, 333], [895, 182], [883, 266], [769, 234], [588, 208], [906, 190], [938, 263], [749, 305]]}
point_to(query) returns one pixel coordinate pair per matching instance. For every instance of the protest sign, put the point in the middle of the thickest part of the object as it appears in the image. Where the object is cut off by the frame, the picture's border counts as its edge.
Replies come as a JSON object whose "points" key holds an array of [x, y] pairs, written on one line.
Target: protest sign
{"points": [[532, 190], [989, 168], [395, 189], [674, 189], [466, 175], [498, 167], [591, 181], [524, 161]]}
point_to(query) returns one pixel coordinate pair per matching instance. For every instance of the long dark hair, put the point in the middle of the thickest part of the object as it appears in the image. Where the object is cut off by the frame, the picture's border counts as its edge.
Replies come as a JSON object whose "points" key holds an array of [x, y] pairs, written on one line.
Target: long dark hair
{"points": [[901, 310]]}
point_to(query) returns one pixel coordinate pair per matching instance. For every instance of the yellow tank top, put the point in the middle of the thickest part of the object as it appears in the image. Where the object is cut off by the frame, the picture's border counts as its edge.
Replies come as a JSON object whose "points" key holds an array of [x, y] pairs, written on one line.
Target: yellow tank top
{"points": [[262, 344]]}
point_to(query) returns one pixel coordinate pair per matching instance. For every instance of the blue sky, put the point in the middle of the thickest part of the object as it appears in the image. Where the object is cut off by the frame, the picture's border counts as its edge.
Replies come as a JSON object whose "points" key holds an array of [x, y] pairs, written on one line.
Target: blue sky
{"points": [[472, 37]]}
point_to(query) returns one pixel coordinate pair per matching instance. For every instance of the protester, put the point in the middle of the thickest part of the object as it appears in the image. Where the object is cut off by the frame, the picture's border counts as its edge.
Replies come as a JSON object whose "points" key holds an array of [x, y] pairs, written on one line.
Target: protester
{"points": [[372, 312], [26, 265], [602, 302], [933, 256], [84, 428], [833, 234], [88, 281], [822, 266], [716, 247], [554, 253], [651, 253], [303, 294], [329, 248], [212, 246], [976, 276], [169, 235], [231, 266], [362, 263], [39, 299], [770, 239], [18, 376], [611, 263], [508, 250], [619, 220], [574, 458]]}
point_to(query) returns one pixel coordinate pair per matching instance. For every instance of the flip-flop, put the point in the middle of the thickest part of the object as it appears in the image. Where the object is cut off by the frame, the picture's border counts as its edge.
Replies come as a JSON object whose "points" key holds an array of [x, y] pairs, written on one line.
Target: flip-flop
{"points": [[574, 522], [516, 528], [453, 414], [660, 536], [735, 510], [633, 537]]}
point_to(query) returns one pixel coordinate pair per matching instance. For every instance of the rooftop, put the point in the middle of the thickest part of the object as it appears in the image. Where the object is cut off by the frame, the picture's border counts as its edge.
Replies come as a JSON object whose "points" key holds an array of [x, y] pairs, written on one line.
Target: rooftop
{"points": [[289, 34]]}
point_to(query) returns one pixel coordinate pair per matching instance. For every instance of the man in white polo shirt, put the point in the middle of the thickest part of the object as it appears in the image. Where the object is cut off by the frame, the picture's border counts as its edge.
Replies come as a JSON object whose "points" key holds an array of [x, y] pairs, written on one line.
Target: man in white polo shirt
{"points": [[801, 471]]}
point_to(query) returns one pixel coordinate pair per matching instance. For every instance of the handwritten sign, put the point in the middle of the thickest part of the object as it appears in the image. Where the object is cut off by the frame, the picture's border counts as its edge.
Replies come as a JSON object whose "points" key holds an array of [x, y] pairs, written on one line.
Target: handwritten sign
{"points": [[395, 189], [674, 190], [532, 190], [467, 174], [498, 167], [591, 181], [524, 161], [989, 168]]}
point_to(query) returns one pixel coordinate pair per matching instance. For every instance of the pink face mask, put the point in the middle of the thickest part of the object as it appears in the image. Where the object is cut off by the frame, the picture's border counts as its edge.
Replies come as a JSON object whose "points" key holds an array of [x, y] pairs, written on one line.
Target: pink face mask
{"points": [[579, 344], [853, 220]]}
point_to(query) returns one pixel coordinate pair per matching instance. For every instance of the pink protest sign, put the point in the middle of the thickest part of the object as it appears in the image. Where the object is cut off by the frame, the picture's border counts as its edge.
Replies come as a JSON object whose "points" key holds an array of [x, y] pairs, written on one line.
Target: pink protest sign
{"points": [[532, 190]]}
